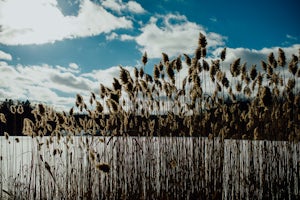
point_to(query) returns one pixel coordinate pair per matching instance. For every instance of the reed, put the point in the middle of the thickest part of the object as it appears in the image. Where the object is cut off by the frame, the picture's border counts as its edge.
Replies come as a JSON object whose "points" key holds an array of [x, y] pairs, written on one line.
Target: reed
{"points": [[222, 120]]}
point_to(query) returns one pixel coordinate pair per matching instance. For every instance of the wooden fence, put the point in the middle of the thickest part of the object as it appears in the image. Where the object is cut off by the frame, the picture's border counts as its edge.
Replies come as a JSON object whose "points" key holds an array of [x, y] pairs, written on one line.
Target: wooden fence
{"points": [[148, 168]]}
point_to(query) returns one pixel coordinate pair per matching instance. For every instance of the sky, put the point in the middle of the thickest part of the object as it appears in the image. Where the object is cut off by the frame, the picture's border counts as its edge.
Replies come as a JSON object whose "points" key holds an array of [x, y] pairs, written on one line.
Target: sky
{"points": [[50, 50]]}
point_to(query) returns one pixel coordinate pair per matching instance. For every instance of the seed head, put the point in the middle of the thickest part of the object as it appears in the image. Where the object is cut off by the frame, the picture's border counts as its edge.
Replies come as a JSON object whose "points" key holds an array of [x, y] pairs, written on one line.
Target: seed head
{"points": [[263, 65], [281, 57], [223, 54], [20, 109], [125, 76], [165, 58], [202, 40], [271, 60], [293, 65], [205, 65], [253, 72], [79, 101], [99, 107], [225, 82], [104, 167], [170, 73], [2, 118], [198, 53], [141, 73], [235, 67], [187, 59], [144, 58], [13, 109], [6, 135], [239, 86], [178, 63], [265, 96]]}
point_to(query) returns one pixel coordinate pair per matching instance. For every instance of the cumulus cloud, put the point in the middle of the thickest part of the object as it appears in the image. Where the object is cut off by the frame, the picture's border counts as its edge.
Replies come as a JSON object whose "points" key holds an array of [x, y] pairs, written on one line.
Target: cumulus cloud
{"points": [[111, 36], [53, 85], [125, 37], [173, 34], [135, 7], [5, 56], [105, 76], [254, 56], [39, 22], [119, 6]]}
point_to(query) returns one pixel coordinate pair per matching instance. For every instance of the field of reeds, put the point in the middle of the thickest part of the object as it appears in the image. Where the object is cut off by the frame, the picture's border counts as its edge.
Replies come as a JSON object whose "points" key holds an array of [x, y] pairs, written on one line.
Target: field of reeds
{"points": [[228, 132]]}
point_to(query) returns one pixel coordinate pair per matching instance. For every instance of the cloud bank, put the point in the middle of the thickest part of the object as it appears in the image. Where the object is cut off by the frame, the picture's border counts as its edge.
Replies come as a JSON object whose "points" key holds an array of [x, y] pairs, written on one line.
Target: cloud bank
{"points": [[54, 85], [173, 34], [41, 21], [58, 85]]}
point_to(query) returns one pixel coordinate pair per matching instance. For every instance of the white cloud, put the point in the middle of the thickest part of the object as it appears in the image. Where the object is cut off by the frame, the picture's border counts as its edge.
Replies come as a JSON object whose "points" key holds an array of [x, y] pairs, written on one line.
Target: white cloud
{"points": [[291, 37], [112, 36], [56, 86], [113, 5], [5, 56], [125, 37], [135, 7], [254, 56], [38, 22], [119, 6], [73, 66], [52, 85], [173, 34], [213, 19], [105, 76]]}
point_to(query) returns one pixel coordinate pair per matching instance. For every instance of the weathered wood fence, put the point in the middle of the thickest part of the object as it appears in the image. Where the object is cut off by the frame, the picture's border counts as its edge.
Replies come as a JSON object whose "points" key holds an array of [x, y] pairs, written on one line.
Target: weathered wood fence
{"points": [[148, 168]]}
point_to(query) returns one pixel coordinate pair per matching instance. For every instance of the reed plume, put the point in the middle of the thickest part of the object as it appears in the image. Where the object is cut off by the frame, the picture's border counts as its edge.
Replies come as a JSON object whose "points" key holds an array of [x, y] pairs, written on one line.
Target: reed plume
{"points": [[178, 63], [13, 109], [165, 58], [198, 53], [235, 67], [205, 65], [141, 73], [188, 60], [116, 84], [281, 58], [103, 91], [265, 96], [223, 54], [104, 167], [202, 41], [293, 65], [2, 118], [144, 58], [271, 60], [253, 72], [263, 65], [170, 73], [125, 76]]}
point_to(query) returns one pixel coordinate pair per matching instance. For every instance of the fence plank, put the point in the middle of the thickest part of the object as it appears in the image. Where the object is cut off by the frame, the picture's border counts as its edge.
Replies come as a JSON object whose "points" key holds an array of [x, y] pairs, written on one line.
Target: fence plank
{"points": [[149, 168]]}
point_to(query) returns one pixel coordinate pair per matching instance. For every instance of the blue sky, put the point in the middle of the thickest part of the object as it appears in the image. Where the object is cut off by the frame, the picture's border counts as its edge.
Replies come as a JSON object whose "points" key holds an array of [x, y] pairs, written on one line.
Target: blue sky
{"points": [[52, 49]]}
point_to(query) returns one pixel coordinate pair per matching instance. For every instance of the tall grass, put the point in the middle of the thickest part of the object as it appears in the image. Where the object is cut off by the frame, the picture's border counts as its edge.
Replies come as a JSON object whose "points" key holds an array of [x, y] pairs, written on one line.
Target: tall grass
{"points": [[254, 105]]}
